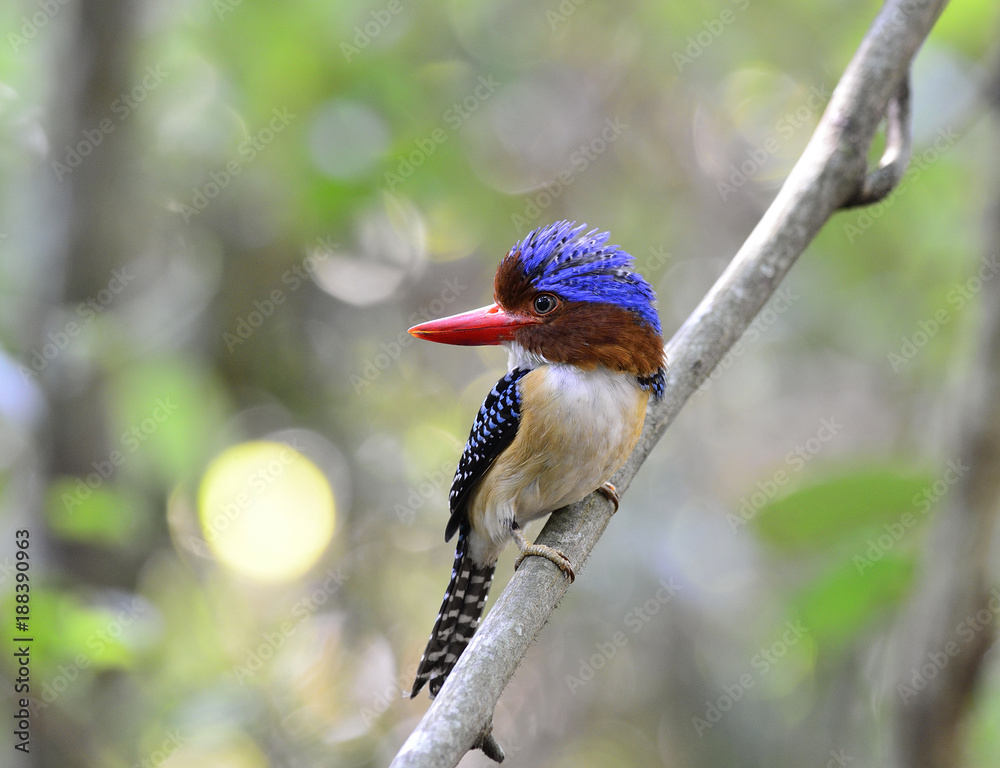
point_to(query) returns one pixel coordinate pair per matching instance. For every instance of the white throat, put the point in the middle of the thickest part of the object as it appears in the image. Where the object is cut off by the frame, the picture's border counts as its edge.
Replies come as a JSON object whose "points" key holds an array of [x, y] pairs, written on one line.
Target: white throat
{"points": [[519, 357]]}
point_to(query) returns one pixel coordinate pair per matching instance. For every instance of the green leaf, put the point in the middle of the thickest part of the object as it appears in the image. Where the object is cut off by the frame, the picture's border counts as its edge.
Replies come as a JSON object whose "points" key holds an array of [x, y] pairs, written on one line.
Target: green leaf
{"points": [[104, 515], [167, 414], [840, 510], [836, 606]]}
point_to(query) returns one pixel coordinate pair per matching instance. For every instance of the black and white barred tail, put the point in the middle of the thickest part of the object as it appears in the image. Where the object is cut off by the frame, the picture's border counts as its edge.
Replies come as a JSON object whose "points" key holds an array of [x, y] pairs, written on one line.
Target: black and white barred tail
{"points": [[457, 620]]}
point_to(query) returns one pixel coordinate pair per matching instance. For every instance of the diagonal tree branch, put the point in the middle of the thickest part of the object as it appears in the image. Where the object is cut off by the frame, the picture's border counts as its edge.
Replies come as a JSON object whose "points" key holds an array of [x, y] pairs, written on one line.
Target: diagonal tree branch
{"points": [[831, 174]]}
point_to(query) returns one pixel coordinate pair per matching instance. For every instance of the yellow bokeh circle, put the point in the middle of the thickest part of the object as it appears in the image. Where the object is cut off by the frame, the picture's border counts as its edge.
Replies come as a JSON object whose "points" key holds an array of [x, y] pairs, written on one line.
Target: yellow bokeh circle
{"points": [[266, 510]]}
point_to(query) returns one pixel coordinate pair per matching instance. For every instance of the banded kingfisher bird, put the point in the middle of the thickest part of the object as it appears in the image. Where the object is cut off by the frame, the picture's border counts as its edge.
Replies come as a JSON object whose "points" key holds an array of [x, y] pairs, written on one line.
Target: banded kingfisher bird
{"points": [[585, 354]]}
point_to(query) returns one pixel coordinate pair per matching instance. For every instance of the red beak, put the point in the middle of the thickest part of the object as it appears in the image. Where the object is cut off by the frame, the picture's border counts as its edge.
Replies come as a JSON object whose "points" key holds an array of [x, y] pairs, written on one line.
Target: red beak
{"points": [[486, 325]]}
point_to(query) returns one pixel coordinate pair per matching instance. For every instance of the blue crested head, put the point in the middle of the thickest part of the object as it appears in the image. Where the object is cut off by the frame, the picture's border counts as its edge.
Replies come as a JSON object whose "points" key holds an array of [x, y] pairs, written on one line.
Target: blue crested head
{"points": [[581, 266], [566, 297], [571, 298]]}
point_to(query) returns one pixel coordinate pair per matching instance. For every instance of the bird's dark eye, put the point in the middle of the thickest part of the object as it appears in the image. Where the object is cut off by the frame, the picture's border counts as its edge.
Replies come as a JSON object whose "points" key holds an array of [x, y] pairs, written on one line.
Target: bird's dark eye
{"points": [[545, 303]]}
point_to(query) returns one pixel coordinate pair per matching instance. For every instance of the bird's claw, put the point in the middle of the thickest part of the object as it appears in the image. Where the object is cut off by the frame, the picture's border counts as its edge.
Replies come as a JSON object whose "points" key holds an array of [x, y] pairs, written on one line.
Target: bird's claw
{"points": [[610, 493], [554, 556]]}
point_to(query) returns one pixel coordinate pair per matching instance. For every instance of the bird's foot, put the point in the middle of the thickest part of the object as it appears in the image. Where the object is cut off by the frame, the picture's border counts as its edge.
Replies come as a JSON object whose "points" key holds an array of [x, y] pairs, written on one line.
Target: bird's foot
{"points": [[610, 493], [540, 550]]}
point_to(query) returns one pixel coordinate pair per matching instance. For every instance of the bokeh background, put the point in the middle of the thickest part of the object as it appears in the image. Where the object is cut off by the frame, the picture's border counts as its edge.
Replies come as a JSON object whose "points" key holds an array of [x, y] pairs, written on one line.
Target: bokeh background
{"points": [[217, 220]]}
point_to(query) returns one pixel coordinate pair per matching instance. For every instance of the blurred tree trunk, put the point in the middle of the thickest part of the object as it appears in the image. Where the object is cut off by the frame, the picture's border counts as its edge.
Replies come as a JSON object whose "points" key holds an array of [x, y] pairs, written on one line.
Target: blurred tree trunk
{"points": [[99, 226], [97, 215], [949, 625]]}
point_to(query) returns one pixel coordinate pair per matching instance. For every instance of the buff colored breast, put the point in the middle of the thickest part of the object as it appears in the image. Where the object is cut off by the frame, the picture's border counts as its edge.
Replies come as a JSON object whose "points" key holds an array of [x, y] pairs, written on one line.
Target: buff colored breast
{"points": [[577, 427]]}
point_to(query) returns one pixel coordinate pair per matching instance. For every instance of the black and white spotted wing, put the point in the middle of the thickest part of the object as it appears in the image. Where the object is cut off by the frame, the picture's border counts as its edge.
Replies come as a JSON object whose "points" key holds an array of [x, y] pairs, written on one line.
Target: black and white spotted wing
{"points": [[464, 600], [494, 429]]}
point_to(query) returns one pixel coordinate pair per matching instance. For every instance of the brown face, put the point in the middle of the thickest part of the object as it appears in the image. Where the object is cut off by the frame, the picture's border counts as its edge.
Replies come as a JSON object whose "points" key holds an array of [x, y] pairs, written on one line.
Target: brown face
{"points": [[582, 333]]}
